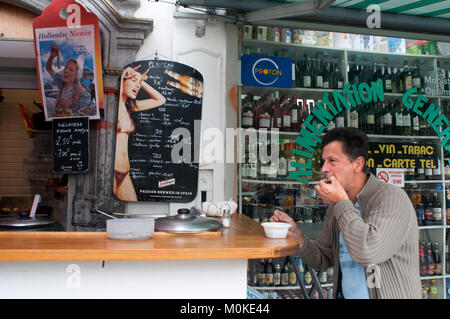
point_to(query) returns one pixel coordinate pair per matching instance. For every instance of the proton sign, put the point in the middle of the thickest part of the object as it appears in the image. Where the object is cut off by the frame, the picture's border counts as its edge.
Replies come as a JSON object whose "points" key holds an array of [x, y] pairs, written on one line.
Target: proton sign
{"points": [[266, 71]]}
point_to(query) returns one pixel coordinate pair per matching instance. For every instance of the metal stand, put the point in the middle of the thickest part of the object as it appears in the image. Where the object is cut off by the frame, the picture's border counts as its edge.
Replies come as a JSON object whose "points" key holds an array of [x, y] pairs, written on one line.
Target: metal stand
{"points": [[315, 281]]}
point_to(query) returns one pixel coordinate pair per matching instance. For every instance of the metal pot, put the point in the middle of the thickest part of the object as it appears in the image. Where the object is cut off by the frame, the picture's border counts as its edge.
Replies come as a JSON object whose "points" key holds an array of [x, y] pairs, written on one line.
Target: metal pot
{"points": [[187, 221]]}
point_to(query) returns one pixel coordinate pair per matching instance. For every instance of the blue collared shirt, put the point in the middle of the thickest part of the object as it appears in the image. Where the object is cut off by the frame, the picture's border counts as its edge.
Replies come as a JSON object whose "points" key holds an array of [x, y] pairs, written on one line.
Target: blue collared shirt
{"points": [[354, 284]]}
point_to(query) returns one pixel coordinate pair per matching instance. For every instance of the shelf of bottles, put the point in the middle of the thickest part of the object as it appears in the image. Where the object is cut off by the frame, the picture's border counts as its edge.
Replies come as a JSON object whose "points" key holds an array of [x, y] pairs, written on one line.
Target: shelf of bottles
{"points": [[279, 113], [275, 278]]}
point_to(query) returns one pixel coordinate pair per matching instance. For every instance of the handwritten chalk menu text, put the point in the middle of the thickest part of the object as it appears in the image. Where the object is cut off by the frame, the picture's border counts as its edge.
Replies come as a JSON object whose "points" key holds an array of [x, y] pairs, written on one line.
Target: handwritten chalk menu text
{"points": [[70, 145], [156, 144]]}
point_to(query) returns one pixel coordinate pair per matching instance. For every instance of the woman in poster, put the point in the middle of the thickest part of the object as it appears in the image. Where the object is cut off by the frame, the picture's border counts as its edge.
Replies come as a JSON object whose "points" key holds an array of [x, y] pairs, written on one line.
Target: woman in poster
{"points": [[131, 83], [72, 96]]}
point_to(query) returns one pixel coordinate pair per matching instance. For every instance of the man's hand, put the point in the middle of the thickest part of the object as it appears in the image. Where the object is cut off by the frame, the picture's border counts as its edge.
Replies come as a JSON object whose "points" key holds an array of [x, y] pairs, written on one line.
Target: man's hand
{"points": [[330, 190], [294, 231]]}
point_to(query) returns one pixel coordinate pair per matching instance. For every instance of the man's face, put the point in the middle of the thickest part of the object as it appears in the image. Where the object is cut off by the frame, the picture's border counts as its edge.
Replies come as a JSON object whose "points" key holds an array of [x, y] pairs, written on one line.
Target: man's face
{"points": [[336, 163]]}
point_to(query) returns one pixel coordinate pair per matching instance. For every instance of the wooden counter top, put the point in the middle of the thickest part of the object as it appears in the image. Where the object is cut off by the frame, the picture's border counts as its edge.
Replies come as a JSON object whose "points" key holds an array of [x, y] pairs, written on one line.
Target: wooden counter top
{"points": [[244, 239]]}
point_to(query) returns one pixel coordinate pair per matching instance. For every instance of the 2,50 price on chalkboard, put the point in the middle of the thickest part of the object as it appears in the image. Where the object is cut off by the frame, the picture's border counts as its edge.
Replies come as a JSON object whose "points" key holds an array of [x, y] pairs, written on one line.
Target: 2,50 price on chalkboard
{"points": [[71, 145]]}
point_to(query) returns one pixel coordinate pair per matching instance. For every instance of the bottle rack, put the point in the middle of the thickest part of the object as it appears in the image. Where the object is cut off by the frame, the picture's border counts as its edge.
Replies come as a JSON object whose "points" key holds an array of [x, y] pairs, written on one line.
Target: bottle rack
{"points": [[345, 58]]}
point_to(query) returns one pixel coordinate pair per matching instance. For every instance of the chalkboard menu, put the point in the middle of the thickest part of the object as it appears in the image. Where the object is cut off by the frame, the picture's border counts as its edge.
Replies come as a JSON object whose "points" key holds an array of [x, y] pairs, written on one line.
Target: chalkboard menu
{"points": [[157, 147], [70, 145]]}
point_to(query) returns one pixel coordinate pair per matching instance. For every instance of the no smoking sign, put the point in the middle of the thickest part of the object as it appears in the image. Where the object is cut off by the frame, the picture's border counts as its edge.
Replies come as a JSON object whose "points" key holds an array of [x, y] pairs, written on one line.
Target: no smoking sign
{"points": [[394, 176]]}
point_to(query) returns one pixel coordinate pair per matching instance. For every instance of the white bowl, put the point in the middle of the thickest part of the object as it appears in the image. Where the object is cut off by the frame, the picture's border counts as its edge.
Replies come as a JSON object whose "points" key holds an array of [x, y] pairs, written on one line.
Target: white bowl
{"points": [[130, 228], [276, 230]]}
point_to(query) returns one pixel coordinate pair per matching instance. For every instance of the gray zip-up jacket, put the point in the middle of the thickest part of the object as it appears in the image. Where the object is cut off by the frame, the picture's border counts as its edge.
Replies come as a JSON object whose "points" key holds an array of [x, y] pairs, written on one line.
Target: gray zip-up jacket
{"points": [[385, 240]]}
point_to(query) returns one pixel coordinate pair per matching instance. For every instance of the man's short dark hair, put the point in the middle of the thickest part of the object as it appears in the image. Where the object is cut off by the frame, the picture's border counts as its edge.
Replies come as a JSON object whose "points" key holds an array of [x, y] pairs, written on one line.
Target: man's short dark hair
{"points": [[354, 141]]}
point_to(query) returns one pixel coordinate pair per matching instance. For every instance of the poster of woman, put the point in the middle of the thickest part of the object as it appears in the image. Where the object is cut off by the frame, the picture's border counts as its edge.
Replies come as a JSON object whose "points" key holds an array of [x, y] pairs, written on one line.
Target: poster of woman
{"points": [[155, 157], [66, 61]]}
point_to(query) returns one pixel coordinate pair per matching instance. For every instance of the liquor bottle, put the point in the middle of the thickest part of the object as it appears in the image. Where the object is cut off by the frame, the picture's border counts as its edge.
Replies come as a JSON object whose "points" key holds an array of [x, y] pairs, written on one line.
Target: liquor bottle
{"points": [[428, 172], [327, 76], [378, 74], [301, 64], [303, 113], [437, 259], [292, 158], [399, 80], [285, 114], [417, 80], [422, 126], [430, 261], [379, 118], [353, 74], [316, 160], [354, 118], [323, 277], [420, 170], [370, 119], [185, 89], [362, 120], [406, 121], [282, 161], [295, 73], [420, 214], [428, 210], [422, 261], [338, 78], [437, 210], [415, 124], [397, 126], [388, 122], [307, 74], [270, 168], [387, 79], [318, 74], [310, 105], [275, 111], [295, 113], [437, 170], [264, 118], [261, 273], [292, 277], [277, 275], [269, 271], [447, 253], [394, 81], [331, 125], [285, 275], [407, 77], [247, 114], [330, 275], [189, 82]]}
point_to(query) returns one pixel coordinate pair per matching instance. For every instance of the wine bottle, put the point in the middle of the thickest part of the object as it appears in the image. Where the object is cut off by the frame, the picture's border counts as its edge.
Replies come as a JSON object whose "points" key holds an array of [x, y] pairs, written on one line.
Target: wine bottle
{"points": [[370, 119], [388, 122], [307, 74], [318, 75], [387, 79], [338, 78], [285, 114], [327, 76], [407, 77], [398, 119], [417, 80]]}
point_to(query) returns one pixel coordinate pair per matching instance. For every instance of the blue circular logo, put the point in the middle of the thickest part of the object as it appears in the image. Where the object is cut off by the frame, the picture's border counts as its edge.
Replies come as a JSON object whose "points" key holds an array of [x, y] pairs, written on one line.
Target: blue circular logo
{"points": [[265, 71]]}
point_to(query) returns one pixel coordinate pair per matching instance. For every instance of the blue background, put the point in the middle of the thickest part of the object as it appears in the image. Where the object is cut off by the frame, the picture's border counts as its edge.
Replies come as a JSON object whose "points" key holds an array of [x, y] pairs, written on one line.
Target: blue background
{"points": [[282, 81]]}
